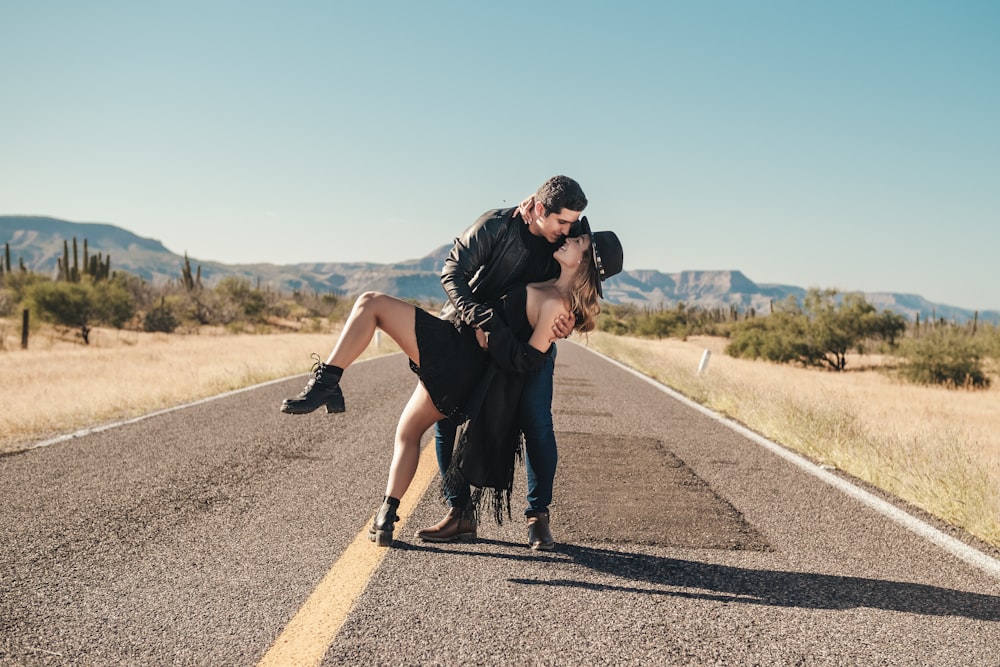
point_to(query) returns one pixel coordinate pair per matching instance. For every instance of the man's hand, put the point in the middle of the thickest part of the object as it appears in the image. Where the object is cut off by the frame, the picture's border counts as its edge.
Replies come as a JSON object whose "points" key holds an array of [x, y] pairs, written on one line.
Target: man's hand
{"points": [[562, 327], [525, 209], [484, 338]]}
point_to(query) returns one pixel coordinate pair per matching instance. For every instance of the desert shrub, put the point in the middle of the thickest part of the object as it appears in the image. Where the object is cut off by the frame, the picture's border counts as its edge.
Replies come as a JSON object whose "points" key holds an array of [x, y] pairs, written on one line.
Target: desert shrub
{"points": [[989, 338], [618, 320], [142, 295], [778, 337], [679, 321], [662, 323], [80, 305], [19, 282], [819, 332], [161, 318], [8, 302], [945, 357], [326, 306], [113, 303], [247, 301], [65, 304]]}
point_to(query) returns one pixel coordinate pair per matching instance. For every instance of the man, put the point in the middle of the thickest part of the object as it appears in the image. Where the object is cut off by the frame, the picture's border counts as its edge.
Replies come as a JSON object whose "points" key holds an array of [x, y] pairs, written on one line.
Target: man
{"points": [[504, 247]]}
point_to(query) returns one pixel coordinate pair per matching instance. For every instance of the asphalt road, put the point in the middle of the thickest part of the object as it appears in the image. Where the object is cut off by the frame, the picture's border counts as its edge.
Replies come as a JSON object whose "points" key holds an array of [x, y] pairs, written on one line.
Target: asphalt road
{"points": [[193, 538]]}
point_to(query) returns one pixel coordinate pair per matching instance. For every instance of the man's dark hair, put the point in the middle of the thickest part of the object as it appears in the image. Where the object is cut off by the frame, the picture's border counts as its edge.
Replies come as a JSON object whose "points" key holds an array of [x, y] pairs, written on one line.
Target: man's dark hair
{"points": [[561, 192]]}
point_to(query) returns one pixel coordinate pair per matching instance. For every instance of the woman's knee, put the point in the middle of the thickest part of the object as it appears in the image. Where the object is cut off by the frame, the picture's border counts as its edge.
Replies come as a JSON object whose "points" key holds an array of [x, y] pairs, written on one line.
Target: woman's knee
{"points": [[367, 299]]}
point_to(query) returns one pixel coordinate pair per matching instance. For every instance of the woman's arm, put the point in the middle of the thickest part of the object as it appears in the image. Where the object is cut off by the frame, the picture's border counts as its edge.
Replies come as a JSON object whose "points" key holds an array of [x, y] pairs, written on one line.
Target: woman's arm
{"points": [[513, 355], [544, 334]]}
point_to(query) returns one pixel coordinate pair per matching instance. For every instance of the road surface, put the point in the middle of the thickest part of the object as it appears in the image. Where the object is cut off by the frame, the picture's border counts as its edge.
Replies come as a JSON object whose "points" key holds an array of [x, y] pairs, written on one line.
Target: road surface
{"points": [[226, 533]]}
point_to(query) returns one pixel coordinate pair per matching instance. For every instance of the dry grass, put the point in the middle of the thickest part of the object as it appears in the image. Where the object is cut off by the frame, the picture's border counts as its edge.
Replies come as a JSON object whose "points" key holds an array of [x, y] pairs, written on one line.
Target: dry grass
{"points": [[936, 448], [58, 385]]}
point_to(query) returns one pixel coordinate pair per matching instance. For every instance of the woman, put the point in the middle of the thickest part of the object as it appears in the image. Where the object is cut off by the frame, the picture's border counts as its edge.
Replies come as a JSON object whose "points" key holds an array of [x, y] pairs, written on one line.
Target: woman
{"points": [[451, 362]]}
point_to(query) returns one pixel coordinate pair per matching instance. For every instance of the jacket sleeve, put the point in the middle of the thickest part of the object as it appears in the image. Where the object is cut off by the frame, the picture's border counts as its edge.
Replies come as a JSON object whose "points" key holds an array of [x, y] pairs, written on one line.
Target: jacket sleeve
{"points": [[512, 355], [472, 251]]}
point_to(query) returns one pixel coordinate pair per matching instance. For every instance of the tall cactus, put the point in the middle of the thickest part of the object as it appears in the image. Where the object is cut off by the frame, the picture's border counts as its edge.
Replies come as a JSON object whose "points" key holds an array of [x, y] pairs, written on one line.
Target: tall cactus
{"points": [[99, 267], [191, 281], [64, 262], [75, 275]]}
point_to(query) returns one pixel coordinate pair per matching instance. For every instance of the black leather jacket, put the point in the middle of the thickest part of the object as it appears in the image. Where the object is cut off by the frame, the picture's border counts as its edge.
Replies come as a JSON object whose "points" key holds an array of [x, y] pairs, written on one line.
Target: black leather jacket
{"points": [[486, 260]]}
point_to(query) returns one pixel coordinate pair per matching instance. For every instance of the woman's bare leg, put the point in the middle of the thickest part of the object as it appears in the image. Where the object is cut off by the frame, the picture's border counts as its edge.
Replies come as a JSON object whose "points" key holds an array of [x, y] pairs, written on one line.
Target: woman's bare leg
{"points": [[376, 310], [418, 416]]}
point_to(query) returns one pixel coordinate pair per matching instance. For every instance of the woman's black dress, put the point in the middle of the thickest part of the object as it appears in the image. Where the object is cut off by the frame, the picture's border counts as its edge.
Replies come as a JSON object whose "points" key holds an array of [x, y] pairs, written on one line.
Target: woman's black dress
{"points": [[451, 361]]}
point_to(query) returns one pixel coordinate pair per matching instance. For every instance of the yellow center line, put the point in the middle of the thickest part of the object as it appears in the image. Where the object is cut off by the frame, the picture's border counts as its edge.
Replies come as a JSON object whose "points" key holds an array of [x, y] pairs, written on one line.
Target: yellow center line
{"points": [[306, 638]]}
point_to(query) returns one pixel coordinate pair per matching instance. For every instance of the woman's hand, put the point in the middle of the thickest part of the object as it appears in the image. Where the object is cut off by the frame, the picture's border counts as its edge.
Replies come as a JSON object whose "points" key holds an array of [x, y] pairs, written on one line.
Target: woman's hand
{"points": [[525, 207], [562, 326], [484, 338]]}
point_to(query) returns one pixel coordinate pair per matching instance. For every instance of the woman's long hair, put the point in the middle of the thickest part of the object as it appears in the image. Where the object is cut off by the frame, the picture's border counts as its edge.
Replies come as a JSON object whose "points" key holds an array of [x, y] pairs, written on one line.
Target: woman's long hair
{"points": [[584, 301]]}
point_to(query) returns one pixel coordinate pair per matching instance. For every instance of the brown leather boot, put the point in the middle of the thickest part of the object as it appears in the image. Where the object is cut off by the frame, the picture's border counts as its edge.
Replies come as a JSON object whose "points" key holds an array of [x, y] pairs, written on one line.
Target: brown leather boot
{"points": [[539, 535], [449, 529]]}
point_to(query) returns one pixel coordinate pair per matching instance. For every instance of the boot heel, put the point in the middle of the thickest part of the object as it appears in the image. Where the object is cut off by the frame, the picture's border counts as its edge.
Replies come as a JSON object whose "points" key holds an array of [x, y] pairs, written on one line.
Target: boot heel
{"points": [[385, 521], [335, 404]]}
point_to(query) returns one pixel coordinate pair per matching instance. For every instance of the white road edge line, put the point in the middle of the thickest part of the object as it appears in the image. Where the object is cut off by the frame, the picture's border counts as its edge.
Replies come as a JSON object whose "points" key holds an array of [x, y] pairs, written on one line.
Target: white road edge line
{"points": [[208, 399], [953, 546]]}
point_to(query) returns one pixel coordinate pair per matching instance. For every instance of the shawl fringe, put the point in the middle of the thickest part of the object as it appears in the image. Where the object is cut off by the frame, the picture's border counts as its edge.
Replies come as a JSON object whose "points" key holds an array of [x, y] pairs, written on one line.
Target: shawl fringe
{"points": [[489, 500], [487, 445]]}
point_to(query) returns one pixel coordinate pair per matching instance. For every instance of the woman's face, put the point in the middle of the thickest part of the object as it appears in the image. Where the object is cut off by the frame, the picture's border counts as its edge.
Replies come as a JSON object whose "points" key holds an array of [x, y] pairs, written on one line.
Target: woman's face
{"points": [[573, 250]]}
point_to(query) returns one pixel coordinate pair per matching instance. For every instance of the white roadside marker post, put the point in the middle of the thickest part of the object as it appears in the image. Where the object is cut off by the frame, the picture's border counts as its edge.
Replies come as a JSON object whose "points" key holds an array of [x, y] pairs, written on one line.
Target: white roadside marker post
{"points": [[703, 364]]}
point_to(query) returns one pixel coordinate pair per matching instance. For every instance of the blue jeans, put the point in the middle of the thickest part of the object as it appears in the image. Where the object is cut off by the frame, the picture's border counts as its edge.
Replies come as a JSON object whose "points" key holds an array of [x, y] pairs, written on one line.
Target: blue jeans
{"points": [[535, 414]]}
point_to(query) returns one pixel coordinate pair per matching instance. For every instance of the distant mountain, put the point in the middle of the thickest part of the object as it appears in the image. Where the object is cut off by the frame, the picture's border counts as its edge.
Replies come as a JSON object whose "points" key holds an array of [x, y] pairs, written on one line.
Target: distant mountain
{"points": [[39, 242]]}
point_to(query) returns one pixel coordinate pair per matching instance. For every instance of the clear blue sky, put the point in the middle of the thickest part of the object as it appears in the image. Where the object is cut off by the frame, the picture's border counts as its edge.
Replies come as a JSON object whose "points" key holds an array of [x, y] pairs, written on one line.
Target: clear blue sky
{"points": [[853, 145]]}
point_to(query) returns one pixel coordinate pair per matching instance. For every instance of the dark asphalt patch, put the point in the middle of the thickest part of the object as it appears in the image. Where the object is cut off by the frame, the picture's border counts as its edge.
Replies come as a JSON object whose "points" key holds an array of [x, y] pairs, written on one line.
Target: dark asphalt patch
{"points": [[621, 489]]}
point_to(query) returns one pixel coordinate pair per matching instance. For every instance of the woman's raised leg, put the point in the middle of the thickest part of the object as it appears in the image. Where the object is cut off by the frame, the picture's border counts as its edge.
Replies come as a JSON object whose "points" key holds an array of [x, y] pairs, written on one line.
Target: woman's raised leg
{"points": [[372, 309], [376, 310]]}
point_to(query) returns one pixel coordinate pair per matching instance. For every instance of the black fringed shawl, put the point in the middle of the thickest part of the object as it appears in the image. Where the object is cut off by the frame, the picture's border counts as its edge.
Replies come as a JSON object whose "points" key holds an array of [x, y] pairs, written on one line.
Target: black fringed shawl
{"points": [[488, 443]]}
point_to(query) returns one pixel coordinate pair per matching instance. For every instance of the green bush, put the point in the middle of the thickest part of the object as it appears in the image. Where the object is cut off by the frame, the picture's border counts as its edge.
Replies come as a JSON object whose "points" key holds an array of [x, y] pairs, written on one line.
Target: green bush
{"points": [[20, 282], [161, 319], [81, 305], [65, 304], [777, 337], [663, 323], [820, 332], [680, 321], [113, 303], [618, 320], [945, 357], [8, 302]]}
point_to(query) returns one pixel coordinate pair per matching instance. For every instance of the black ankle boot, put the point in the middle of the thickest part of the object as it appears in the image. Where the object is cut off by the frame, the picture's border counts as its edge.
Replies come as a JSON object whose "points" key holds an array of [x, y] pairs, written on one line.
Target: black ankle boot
{"points": [[323, 388], [381, 531]]}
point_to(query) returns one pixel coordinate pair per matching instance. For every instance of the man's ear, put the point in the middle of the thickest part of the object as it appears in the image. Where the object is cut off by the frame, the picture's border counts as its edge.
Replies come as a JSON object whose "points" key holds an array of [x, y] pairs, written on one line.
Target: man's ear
{"points": [[539, 209]]}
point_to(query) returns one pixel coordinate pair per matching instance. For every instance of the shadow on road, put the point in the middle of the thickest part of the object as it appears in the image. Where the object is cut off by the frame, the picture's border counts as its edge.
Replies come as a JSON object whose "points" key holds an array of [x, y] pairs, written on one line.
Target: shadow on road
{"points": [[724, 583], [774, 588]]}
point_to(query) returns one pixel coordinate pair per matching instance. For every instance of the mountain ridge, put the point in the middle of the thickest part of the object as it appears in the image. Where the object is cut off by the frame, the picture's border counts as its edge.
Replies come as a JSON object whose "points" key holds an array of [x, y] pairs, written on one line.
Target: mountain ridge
{"points": [[38, 240]]}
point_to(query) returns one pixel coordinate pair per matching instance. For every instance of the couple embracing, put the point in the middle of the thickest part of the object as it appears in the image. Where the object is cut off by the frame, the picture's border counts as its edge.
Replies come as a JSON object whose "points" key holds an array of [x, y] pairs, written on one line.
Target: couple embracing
{"points": [[517, 280]]}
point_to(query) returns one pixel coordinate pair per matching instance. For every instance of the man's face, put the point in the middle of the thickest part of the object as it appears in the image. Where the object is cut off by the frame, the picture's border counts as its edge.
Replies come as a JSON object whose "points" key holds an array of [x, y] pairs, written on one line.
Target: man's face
{"points": [[555, 226]]}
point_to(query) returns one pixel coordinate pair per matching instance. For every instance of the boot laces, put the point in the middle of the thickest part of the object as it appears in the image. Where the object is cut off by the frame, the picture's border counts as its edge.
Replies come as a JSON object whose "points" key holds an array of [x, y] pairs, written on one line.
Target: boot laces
{"points": [[314, 373]]}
